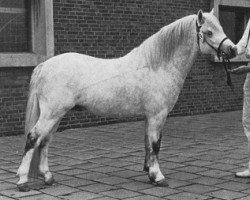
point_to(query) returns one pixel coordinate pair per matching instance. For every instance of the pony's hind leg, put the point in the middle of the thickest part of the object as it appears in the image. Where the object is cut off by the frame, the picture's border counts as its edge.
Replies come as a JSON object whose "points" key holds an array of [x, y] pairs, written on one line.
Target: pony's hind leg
{"points": [[33, 148], [153, 136], [44, 165]]}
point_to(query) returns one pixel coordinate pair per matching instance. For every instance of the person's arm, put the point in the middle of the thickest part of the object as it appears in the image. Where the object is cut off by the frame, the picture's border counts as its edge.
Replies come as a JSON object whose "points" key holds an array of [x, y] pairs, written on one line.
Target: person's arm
{"points": [[241, 70], [242, 44]]}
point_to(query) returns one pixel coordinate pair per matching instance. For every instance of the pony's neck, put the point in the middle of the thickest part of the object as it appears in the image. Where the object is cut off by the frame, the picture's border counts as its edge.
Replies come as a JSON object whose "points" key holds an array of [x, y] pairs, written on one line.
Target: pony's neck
{"points": [[174, 46]]}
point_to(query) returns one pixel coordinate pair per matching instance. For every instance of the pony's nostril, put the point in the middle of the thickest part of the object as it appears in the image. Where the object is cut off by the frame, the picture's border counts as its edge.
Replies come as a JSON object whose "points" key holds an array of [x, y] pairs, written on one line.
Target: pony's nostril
{"points": [[232, 51]]}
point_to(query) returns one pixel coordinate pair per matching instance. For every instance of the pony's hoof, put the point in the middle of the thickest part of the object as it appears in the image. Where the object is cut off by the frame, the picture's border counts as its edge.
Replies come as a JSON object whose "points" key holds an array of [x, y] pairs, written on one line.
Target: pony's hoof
{"points": [[23, 187], [162, 183], [50, 181], [244, 174]]}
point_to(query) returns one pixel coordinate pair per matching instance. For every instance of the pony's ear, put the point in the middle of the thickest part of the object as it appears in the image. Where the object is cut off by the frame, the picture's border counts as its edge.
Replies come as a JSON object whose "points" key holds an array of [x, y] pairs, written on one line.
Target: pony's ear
{"points": [[212, 11], [200, 17]]}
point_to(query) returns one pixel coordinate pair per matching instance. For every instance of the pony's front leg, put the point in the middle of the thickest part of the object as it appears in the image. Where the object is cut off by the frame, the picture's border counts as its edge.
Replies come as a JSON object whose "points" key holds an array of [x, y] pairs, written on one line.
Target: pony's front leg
{"points": [[154, 125]]}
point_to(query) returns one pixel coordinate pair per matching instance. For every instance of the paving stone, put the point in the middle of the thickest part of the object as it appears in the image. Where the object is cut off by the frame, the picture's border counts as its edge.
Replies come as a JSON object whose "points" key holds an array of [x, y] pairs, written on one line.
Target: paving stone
{"points": [[106, 198], [14, 193], [182, 176], [144, 197], [244, 198], [187, 196], [92, 175], [173, 183], [135, 167], [97, 187], [5, 198], [192, 169], [59, 190], [120, 193], [80, 195], [159, 191], [215, 173], [113, 180], [76, 182], [201, 163], [234, 186], [135, 186], [205, 180], [6, 186], [70, 172], [198, 189], [40, 197], [226, 194], [4, 176], [127, 173], [105, 169]]}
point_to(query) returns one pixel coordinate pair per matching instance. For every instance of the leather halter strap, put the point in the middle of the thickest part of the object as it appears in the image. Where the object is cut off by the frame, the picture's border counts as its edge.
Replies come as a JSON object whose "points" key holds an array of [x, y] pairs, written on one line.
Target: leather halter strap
{"points": [[218, 51]]}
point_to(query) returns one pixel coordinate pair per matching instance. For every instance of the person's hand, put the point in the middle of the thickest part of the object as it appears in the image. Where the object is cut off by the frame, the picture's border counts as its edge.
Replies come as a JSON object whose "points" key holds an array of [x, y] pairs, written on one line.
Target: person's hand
{"points": [[240, 70]]}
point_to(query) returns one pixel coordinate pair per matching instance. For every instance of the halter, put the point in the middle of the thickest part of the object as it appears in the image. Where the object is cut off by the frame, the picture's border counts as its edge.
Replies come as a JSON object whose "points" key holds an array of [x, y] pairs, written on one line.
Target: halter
{"points": [[218, 51], [225, 61]]}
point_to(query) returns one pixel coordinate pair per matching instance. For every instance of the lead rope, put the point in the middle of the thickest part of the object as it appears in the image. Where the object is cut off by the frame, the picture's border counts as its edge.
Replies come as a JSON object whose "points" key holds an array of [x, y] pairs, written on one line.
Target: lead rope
{"points": [[226, 63]]}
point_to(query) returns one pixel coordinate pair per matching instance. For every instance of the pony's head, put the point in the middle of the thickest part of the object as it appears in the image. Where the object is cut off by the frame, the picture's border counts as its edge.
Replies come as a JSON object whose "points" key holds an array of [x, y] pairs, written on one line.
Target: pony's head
{"points": [[211, 37]]}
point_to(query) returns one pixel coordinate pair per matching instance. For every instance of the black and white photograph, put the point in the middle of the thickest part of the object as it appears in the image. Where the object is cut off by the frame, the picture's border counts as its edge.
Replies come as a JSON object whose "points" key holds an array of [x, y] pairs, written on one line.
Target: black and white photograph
{"points": [[124, 99]]}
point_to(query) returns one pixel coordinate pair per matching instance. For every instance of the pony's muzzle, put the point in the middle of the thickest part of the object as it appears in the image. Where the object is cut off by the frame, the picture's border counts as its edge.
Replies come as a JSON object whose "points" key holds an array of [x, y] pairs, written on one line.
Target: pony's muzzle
{"points": [[229, 52]]}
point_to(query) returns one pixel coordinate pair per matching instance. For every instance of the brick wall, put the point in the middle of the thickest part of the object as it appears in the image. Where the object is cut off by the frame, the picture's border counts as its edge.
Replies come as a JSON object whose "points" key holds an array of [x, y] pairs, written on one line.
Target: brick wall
{"points": [[111, 29]]}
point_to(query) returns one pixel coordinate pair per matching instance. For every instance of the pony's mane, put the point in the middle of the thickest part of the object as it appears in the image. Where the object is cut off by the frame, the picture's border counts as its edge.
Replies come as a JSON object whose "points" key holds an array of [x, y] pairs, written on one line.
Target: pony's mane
{"points": [[163, 44]]}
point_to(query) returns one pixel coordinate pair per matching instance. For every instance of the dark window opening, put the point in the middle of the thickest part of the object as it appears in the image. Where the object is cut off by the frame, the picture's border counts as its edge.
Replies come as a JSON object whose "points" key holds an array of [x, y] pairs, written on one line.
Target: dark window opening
{"points": [[15, 26], [233, 21]]}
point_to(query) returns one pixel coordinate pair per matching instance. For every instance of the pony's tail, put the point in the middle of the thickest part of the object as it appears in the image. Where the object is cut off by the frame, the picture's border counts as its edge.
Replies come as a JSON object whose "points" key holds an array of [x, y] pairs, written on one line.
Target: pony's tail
{"points": [[32, 115], [32, 112]]}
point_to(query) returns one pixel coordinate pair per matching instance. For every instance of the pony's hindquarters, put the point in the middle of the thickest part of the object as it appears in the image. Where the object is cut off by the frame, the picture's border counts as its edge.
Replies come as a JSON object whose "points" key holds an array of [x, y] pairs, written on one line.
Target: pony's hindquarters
{"points": [[39, 125]]}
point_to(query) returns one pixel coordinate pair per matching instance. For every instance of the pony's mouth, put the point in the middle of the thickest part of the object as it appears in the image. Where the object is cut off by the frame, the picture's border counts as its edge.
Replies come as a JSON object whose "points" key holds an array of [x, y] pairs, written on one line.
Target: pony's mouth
{"points": [[230, 52]]}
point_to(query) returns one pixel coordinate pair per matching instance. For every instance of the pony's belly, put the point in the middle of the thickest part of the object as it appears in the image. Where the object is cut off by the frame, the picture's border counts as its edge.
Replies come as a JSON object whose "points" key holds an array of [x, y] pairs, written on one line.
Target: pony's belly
{"points": [[113, 99]]}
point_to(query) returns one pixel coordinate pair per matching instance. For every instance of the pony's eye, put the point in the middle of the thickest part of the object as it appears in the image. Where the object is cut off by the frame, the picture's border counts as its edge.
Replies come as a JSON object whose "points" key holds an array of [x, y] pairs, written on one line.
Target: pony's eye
{"points": [[209, 33]]}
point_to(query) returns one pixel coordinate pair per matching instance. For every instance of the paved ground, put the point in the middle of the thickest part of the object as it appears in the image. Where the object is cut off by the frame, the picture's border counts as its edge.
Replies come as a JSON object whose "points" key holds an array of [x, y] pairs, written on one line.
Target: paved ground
{"points": [[199, 157]]}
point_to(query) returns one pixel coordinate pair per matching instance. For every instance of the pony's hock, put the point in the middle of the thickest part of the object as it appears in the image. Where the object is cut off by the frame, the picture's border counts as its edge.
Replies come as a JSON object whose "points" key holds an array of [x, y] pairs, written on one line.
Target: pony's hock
{"points": [[146, 81]]}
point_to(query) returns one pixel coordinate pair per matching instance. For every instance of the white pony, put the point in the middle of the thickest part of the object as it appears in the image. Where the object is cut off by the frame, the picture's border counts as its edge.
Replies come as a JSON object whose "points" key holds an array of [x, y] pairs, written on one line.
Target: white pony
{"points": [[147, 80]]}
